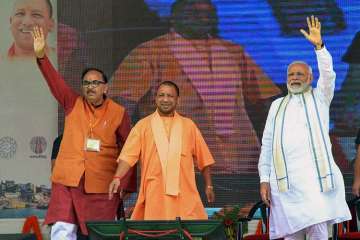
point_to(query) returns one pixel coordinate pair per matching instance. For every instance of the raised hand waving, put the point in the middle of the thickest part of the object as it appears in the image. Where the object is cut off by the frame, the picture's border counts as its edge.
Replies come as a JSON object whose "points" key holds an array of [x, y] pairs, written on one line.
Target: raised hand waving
{"points": [[39, 41], [314, 35]]}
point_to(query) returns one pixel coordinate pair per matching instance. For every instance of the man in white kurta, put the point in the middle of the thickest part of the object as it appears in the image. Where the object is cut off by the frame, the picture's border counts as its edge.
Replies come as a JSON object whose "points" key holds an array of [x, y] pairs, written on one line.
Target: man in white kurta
{"points": [[301, 204]]}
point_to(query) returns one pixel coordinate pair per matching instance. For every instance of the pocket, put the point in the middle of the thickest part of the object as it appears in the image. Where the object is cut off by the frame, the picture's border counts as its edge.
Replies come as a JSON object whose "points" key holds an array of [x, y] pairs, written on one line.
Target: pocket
{"points": [[293, 195]]}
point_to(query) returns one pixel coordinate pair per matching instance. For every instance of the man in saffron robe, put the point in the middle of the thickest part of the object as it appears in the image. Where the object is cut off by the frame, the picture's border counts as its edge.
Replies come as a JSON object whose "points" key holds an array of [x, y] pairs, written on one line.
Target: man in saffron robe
{"points": [[220, 84], [166, 144], [95, 130], [299, 178]]}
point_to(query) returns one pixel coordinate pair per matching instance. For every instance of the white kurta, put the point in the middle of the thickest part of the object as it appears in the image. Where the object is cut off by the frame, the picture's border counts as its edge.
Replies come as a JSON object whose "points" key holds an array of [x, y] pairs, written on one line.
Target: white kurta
{"points": [[303, 204]]}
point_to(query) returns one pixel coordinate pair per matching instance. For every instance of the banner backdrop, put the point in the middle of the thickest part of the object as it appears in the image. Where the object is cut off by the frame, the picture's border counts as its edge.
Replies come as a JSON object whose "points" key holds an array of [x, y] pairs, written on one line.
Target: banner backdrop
{"points": [[28, 116], [228, 81]]}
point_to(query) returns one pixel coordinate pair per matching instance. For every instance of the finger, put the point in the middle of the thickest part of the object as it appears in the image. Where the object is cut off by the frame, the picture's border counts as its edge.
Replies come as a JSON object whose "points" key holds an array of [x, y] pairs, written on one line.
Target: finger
{"points": [[263, 197], [110, 192], [319, 26], [33, 33], [36, 32], [268, 196], [112, 189], [306, 35], [211, 198], [41, 33], [267, 202], [312, 21], [316, 22], [115, 188], [308, 22]]}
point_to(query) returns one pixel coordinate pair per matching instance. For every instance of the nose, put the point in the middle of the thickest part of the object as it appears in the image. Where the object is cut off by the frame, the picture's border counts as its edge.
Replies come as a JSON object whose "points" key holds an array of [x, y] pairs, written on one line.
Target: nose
{"points": [[27, 20], [91, 85]]}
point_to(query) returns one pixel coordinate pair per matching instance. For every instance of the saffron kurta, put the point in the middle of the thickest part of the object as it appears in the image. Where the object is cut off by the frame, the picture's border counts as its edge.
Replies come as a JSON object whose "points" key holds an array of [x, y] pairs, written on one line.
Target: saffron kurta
{"points": [[303, 204], [152, 202], [216, 78], [81, 178]]}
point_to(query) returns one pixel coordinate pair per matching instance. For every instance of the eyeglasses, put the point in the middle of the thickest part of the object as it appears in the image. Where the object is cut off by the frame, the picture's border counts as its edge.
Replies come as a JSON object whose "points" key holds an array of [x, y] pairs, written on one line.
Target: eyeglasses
{"points": [[94, 83]]}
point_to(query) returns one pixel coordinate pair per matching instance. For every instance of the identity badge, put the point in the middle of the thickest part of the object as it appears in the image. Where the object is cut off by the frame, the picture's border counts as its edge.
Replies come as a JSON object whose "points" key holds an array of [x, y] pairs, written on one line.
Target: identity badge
{"points": [[92, 145]]}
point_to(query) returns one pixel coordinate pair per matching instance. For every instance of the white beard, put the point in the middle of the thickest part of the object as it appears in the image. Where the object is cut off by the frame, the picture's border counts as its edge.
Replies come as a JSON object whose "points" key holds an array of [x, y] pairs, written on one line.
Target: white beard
{"points": [[298, 89]]}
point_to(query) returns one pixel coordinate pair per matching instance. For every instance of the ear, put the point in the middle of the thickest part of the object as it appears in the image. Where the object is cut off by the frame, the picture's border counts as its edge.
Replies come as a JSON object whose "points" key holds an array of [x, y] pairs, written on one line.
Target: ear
{"points": [[310, 79], [106, 88]]}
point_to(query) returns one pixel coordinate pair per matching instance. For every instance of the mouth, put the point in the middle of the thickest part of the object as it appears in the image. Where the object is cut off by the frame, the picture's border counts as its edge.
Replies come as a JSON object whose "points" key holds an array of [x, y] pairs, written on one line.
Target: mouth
{"points": [[295, 84], [27, 31], [165, 106], [90, 93]]}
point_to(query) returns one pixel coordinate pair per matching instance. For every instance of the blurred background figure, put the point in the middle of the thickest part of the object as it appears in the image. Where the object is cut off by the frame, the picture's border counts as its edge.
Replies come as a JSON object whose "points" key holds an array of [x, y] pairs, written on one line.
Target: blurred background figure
{"points": [[219, 81]]}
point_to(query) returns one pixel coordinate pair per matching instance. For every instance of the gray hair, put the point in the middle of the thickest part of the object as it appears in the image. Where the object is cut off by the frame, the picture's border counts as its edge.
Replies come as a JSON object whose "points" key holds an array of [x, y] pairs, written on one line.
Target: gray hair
{"points": [[299, 62]]}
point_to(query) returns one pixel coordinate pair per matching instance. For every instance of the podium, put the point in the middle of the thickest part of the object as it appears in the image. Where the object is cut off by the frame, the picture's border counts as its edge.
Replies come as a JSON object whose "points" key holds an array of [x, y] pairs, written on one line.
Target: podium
{"points": [[156, 229]]}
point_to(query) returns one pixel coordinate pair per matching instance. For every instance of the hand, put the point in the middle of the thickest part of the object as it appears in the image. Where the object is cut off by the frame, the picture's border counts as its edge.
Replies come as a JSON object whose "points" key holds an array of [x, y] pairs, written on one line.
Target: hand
{"points": [[265, 193], [314, 35], [113, 187], [210, 195], [39, 41], [356, 187]]}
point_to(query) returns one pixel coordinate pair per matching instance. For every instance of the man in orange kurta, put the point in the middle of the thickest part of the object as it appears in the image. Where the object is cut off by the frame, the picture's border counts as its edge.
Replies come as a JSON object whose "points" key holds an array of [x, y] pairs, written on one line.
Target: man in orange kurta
{"points": [[95, 130], [166, 144], [220, 84]]}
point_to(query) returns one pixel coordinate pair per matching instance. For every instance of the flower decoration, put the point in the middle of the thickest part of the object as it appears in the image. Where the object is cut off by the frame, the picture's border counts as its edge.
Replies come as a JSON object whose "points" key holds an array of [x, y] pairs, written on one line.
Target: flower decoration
{"points": [[230, 216]]}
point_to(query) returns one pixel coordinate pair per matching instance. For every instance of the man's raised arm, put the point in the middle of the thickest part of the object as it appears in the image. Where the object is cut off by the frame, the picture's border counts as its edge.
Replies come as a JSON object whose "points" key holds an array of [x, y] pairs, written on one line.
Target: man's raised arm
{"points": [[326, 82], [58, 87]]}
